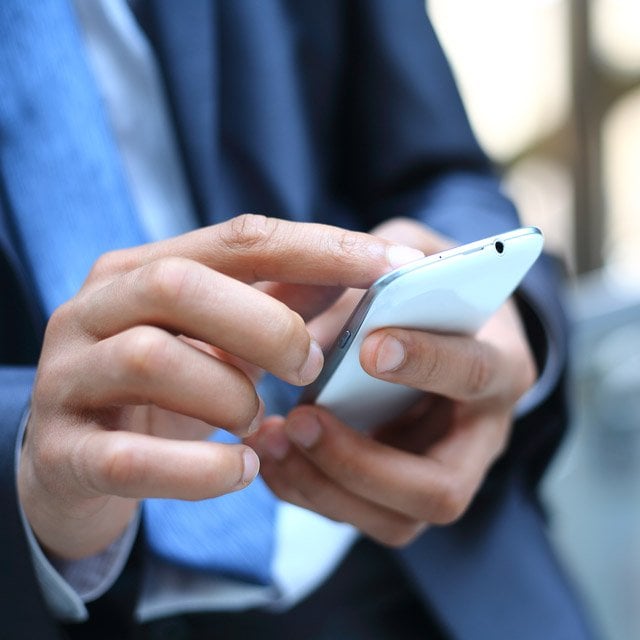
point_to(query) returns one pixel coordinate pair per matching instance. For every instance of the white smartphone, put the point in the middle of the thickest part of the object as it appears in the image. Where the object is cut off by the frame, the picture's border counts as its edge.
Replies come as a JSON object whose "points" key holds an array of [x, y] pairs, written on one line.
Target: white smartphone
{"points": [[453, 292]]}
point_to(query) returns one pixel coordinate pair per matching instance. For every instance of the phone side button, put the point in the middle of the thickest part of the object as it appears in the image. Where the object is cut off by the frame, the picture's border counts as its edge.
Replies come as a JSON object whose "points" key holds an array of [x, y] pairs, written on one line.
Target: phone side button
{"points": [[345, 339]]}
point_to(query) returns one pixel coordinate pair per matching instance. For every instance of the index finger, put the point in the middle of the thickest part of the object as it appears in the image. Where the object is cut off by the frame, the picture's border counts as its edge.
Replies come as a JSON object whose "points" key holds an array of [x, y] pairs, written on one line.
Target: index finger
{"points": [[254, 248]]}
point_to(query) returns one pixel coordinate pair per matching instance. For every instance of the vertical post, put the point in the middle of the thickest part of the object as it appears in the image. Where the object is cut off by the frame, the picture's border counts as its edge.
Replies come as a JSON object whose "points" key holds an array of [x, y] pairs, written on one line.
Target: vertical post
{"points": [[589, 222]]}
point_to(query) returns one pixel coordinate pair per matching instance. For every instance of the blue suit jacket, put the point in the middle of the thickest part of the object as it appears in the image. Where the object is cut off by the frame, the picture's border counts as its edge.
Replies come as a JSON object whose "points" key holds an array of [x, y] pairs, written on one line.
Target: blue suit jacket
{"points": [[346, 113]]}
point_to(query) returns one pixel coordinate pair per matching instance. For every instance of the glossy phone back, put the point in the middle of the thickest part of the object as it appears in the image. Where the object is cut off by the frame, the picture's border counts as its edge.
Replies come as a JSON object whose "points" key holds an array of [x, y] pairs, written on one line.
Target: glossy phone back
{"points": [[455, 291]]}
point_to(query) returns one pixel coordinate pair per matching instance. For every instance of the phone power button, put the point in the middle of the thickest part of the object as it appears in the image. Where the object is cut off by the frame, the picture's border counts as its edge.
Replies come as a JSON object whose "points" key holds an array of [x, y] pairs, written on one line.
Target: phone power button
{"points": [[344, 339]]}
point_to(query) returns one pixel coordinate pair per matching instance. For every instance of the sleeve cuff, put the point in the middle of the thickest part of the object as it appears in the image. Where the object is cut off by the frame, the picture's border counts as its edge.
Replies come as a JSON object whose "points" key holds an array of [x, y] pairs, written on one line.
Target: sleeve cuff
{"points": [[550, 369], [68, 584]]}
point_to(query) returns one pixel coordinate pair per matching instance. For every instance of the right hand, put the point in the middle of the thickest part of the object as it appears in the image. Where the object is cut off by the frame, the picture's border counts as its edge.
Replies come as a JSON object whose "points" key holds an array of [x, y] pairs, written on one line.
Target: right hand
{"points": [[426, 466], [162, 343]]}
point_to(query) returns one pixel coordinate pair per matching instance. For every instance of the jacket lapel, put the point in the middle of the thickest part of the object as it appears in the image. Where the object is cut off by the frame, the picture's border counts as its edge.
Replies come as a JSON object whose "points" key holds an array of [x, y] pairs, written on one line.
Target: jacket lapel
{"points": [[185, 41], [233, 79]]}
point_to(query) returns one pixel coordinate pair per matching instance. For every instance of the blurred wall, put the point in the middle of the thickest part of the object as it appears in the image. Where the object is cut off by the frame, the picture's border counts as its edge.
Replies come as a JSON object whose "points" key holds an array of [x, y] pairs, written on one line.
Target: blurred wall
{"points": [[553, 91]]}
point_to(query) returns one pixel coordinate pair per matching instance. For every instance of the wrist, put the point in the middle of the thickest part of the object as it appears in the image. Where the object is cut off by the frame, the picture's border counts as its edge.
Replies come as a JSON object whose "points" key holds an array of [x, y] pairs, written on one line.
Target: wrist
{"points": [[67, 527]]}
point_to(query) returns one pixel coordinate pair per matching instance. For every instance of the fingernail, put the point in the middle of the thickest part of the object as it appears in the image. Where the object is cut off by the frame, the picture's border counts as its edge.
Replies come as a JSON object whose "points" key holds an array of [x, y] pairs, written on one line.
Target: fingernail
{"points": [[399, 255], [391, 355], [275, 444], [251, 466], [313, 365], [257, 421], [304, 430]]}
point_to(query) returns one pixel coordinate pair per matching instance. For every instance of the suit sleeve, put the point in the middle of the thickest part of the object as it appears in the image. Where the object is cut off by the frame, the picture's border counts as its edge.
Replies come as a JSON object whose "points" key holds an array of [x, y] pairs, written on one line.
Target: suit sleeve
{"points": [[21, 601], [411, 152], [25, 614]]}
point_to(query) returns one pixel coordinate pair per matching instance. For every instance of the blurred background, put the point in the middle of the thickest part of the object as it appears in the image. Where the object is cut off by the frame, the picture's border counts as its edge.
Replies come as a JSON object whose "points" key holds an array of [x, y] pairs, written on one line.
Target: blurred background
{"points": [[553, 91]]}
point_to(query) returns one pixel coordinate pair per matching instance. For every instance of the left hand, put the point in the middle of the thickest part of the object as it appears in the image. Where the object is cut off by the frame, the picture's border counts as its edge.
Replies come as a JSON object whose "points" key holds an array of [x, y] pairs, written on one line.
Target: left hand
{"points": [[426, 466]]}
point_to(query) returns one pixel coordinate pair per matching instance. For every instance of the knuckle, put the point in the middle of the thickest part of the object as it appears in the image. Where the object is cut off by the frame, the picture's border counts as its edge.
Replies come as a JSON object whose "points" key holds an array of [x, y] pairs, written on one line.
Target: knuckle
{"points": [[347, 248], [479, 372], [79, 467], [451, 501], [108, 265], [56, 386], [48, 458], [62, 318], [120, 468], [143, 352], [430, 360], [167, 281], [247, 231], [347, 243]]}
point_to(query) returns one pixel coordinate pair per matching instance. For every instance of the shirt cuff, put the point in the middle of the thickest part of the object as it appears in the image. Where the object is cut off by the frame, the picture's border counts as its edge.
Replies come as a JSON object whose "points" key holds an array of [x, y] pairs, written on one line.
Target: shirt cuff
{"points": [[551, 368], [68, 584]]}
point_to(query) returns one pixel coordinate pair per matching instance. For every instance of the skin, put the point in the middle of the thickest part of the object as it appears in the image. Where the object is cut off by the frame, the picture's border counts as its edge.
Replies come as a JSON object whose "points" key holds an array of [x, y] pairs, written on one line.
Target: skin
{"points": [[425, 467], [163, 342]]}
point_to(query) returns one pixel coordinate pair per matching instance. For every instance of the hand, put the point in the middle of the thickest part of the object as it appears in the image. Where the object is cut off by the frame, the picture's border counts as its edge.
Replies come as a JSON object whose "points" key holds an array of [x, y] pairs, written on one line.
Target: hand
{"points": [[426, 466], [163, 342]]}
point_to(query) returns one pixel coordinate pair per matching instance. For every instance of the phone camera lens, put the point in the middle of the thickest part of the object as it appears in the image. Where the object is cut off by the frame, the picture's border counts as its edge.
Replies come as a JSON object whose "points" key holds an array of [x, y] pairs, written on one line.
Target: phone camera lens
{"points": [[499, 246]]}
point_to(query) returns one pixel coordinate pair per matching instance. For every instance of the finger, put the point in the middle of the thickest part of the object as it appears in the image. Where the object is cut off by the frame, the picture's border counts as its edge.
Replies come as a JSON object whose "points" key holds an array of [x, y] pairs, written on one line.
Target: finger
{"points": [[458, 367], [148, 365], [253, 372], [310, 301], [306, 299], [407, 431], [189, 298], [326, 326], [404, 231], [253, 248], [412, 233], [419, 487], [135, 465], [295, 479], [169, 424], [472, 442]]}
